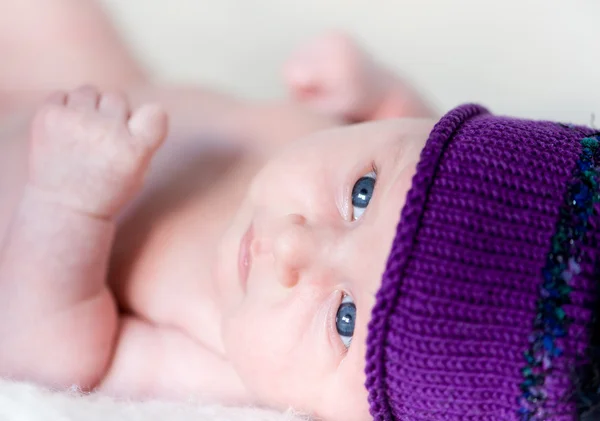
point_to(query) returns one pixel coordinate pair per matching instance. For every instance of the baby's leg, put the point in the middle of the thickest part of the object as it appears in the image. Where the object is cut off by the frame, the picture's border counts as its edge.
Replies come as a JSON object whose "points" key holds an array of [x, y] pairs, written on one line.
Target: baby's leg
{"points": [[59, 44], [334, 75], [87, 158]]}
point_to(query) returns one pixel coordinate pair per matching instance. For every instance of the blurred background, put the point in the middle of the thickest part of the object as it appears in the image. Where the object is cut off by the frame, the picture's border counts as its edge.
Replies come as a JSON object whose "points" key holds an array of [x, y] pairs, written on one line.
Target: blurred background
{"points": [[534, 58]]}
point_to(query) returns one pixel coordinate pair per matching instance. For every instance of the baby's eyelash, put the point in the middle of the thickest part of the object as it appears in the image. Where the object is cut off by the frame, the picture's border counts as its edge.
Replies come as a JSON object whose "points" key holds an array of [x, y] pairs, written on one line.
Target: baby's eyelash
{"points": [[374, 168]]}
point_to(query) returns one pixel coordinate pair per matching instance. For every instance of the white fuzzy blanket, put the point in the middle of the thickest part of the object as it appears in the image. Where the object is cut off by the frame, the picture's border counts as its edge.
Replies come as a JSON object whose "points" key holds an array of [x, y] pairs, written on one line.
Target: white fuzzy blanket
{"points": [[25, 402]]}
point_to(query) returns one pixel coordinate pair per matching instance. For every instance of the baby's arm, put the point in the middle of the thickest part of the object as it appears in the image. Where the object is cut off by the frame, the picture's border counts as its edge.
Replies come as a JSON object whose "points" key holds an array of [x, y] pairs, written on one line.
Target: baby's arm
{"points": [[153, 361], [58, 320], [197, 113]]}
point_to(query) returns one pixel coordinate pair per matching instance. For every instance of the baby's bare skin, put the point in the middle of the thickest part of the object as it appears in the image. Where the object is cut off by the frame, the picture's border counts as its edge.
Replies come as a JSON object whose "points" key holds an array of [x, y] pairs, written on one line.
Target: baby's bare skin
{"points": [[114, 267], [87, 158], [226, 146], [165, 246]]}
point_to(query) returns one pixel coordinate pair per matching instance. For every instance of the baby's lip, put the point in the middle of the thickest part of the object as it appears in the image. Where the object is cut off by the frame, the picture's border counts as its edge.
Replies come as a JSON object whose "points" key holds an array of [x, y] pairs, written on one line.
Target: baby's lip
{"points": [[245, 256]]}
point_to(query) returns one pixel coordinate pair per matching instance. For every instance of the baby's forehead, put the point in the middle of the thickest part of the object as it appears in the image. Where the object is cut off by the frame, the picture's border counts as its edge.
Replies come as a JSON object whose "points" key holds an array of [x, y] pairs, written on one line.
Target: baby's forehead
{"points": [[391, 138], [378, 139], [383, 131]]}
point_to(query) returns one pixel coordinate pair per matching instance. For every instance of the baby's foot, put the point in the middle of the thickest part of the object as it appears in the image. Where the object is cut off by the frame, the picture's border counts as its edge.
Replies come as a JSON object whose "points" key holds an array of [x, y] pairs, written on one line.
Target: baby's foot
{"points": [[333, 75], [89, 152]]}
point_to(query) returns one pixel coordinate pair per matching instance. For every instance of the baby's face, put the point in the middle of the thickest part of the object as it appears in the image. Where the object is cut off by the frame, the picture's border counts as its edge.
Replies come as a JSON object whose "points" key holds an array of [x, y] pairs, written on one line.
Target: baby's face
{"points": [[300, 266]]}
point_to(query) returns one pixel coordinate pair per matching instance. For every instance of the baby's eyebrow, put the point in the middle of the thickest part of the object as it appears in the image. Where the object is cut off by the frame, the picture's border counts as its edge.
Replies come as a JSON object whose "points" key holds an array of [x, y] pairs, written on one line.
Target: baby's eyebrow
{"points": [[394, 151]]}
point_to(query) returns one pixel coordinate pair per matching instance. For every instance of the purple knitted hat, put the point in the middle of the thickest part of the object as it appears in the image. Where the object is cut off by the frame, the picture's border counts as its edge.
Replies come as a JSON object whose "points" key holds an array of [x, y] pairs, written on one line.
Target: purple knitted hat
{"points": [[486, 308]]}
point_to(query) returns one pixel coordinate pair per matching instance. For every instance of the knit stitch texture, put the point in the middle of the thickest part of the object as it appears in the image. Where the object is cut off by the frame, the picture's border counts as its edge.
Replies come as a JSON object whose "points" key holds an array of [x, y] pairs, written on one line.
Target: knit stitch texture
{"points": [[463, 286]]}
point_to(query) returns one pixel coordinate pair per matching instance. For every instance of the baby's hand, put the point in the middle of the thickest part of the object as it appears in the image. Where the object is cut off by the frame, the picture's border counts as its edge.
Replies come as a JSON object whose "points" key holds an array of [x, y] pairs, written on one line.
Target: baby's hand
{"points": [[89, 152], [333, 75]]}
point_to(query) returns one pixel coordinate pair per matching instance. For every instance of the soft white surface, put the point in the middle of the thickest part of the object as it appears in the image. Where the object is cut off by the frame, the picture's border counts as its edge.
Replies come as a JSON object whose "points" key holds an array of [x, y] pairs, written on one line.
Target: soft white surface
{"points": [[534, 58], [23, 402]]}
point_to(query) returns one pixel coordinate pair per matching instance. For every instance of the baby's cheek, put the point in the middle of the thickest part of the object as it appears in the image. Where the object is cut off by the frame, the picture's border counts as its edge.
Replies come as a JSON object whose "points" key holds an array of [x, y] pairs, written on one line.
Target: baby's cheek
{"points": [[259, 350], [276, 365]]}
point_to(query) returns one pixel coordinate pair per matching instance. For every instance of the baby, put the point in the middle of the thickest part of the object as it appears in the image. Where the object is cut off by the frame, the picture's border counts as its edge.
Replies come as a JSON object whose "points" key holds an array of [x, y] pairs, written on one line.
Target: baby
{"points": [[195, 248], [209, 248]]}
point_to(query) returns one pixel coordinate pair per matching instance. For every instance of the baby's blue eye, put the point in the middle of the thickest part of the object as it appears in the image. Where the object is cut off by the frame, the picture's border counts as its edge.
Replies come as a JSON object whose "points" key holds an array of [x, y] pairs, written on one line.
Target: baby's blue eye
{"points": [[345, 320], [361, 194]]}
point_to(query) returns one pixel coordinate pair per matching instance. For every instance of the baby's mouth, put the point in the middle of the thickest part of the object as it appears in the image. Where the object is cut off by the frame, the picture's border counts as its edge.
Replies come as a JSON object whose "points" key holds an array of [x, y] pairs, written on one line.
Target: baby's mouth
{"points": [[245, 256]]}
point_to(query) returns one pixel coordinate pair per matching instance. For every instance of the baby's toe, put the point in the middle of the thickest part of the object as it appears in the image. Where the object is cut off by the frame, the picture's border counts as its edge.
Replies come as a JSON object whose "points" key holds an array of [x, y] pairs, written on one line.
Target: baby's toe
{"points": [[83, 98], [114, 105], [149, 124]]}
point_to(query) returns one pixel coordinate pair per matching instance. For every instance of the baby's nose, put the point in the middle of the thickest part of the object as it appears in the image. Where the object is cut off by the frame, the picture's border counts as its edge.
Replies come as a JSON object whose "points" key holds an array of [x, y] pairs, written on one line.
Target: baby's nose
{"points": [[294, 249]]}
